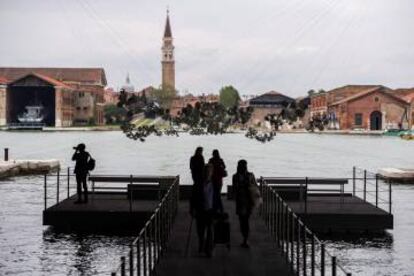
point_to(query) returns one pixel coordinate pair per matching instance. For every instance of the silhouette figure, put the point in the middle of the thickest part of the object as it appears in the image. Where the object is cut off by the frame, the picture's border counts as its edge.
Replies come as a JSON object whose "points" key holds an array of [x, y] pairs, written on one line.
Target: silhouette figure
{"points": [[246, 195], [201, 208], [82, 158], [197, 166], [219, 172]]}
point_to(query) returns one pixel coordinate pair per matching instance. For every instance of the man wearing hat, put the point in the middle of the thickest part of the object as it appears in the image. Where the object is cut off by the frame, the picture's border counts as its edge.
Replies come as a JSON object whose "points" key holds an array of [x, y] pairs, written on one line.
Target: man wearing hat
{"points": [[81, 171]]}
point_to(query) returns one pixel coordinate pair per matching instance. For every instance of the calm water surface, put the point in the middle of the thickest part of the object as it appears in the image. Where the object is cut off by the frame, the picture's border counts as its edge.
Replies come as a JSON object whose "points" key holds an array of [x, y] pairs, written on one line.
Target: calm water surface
{"points": [[28, 248]]}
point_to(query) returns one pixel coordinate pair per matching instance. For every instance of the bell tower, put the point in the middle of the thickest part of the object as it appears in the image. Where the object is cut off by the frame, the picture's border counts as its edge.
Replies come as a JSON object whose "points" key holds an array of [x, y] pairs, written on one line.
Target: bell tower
{"points": [[167, 59]]}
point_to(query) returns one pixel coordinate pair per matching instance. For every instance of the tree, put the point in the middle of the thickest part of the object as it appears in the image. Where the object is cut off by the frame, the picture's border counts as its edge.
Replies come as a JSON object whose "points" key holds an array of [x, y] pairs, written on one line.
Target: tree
{"points": [[164, 97], [114, 114], [229, 96]]}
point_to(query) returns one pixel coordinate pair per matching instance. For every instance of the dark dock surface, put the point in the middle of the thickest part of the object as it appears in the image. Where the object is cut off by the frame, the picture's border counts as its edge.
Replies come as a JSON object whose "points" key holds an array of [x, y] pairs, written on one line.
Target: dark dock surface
{"points": [[109, 210], [336, 213], [262, 258]]}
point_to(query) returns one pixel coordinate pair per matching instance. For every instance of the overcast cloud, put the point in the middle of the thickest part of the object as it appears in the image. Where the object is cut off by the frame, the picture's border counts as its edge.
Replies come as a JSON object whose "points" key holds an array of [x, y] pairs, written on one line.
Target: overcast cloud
{"points": [[290, 46]]}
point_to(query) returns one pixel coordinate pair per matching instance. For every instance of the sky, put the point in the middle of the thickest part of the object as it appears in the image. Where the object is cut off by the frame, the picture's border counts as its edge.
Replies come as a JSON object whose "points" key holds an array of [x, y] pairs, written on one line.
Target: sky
{"points": [[290, 46]]}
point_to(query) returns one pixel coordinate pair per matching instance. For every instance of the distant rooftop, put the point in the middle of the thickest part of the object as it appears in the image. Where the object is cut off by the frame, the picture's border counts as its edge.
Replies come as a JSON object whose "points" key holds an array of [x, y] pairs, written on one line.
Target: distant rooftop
{"points": [[78, 75]]}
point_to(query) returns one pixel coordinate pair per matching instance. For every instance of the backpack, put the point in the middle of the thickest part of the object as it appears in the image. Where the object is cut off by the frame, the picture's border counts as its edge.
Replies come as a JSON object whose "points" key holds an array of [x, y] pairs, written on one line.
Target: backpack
{"points": [[91, 164]]}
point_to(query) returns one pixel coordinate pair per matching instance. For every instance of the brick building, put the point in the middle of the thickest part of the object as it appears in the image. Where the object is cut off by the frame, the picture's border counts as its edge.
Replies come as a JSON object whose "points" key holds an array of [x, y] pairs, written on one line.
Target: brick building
{"points": [[370, 107], [3, 86], [69, 96]]}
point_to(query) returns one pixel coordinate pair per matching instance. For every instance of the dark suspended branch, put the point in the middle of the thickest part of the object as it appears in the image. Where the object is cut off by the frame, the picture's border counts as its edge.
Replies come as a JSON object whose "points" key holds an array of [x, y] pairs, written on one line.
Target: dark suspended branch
{"points": [[204, 118]]}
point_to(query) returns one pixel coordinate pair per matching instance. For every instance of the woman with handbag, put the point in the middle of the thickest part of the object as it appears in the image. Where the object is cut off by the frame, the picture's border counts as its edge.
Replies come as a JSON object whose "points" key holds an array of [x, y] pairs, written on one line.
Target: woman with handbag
{"points": [[219, 171], [247, 197]]}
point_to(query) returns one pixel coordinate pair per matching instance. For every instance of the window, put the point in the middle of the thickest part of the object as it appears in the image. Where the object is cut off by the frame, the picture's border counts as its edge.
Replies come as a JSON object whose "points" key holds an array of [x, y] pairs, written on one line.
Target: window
{"points": [[376, 99], [358, 119]]}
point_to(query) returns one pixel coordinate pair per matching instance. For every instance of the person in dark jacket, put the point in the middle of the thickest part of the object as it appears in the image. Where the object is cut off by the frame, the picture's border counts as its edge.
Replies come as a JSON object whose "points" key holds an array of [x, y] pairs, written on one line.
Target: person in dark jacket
{"points": [[196, 201], [81, 171], [245, 193], [201, 208], [219, 172]]}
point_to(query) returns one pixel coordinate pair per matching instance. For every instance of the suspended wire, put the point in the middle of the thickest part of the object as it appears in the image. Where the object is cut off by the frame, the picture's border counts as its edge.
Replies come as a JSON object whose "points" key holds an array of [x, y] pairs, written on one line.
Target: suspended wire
{"points": [[304, 27], [326, 61], [225, 54], [88, 10]]}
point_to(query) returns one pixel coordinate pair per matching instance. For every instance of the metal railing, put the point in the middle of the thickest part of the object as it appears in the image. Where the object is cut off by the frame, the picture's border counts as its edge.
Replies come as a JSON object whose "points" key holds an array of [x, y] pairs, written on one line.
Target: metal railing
{"points": [[61, 185], [373, 188], [146, 249], [366, 186], [58, 186], [304, 252]]}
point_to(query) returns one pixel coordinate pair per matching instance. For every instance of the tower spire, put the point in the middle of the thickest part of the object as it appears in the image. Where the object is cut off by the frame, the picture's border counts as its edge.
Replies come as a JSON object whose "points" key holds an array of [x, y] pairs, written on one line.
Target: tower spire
{"points": [[167, 31]]}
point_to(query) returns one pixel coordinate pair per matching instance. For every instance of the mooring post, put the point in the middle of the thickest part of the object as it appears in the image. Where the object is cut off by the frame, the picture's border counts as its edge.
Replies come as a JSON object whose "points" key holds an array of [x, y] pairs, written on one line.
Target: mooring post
{"points": [[113, 274], [6, 154]]}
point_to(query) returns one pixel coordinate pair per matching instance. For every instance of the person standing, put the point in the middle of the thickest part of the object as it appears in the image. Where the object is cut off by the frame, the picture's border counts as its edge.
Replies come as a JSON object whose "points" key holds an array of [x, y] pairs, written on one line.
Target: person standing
{"points": [[219, 171], [247, 195], [81, 171], [196, 201]]}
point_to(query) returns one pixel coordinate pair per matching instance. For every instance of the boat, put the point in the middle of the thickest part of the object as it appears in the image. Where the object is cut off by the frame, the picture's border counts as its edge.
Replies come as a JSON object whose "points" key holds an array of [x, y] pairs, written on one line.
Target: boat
{"points": [[33, 114]]}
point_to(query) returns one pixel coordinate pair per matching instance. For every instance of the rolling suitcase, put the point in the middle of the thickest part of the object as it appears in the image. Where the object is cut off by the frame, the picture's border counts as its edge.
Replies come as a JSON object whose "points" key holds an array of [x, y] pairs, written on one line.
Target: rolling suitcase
{"points": [[221, 230]]}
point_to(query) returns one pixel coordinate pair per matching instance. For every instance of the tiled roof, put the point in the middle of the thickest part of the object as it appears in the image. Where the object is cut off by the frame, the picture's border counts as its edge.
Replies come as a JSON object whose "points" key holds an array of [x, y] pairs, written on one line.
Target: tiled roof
{"points": [[47, 79], [3, 80], [67, 75], [271, 98], [379, 88]]}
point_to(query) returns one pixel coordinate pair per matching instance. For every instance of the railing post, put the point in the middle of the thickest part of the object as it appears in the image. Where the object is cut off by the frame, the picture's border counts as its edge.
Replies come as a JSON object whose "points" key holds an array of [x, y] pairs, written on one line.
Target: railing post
{"points": [[322, 259], [376, 190], [353, 180], [313, 254], [45, 190], [145, 252], [297, 246], [389, 196], [131, 260], [287, 229], [57, 186], [130, 194], [68, 192], [292, 236], [333, 266], [138, 257], [306, 196], [365, 185], [304, 250], [123, 266]]}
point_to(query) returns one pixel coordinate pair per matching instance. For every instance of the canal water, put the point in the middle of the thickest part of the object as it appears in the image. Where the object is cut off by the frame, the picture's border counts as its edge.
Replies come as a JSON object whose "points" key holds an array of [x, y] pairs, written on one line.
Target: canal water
{"points": [[28, 248]]}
